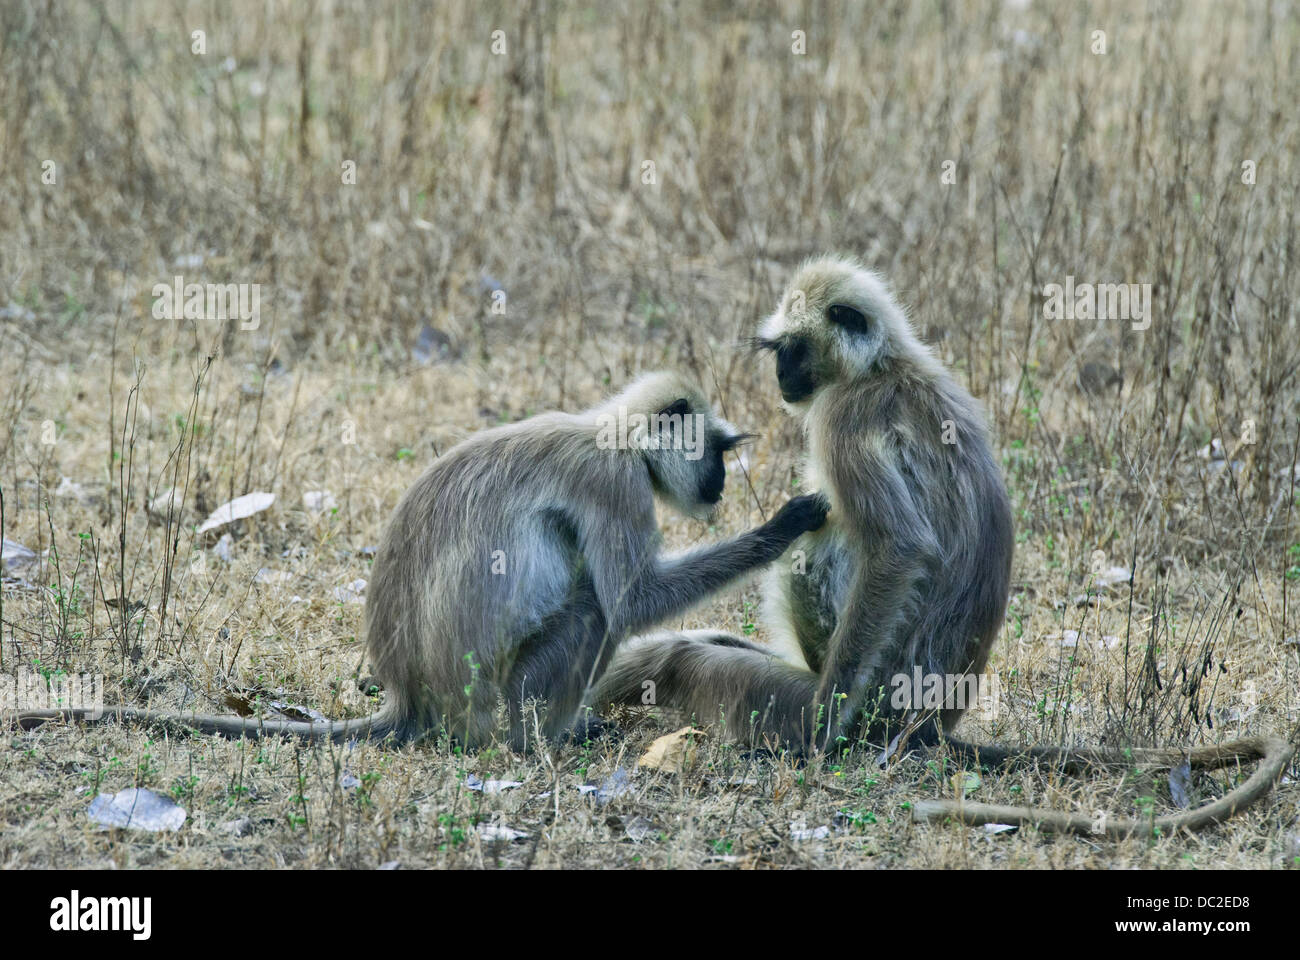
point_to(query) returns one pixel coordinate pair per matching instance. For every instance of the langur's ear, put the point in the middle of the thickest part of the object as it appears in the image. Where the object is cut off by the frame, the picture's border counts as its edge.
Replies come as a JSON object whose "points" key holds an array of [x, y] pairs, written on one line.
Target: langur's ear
{"points": [[678, 408]]}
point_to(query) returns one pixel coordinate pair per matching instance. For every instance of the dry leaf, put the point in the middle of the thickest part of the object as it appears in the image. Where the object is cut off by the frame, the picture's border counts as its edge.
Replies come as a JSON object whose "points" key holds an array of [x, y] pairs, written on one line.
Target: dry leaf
{"points": [[237, 509], [673, 752]]}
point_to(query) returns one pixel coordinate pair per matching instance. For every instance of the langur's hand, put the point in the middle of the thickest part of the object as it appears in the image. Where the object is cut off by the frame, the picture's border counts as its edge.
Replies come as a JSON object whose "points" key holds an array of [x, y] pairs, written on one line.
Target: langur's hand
{"points": [[800, 515]]}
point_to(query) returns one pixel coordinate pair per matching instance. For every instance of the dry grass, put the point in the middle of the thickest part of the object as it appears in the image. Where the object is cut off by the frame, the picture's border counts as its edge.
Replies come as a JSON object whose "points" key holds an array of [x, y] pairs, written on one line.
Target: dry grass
{"points": [[526, 171]]}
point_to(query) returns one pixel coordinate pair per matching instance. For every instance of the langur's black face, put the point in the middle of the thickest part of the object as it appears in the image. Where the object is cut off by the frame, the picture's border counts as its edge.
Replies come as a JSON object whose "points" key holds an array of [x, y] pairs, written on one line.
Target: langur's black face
{"points": [[796, 371], [794, 368], [713, 479], [713, 475], [801, 367], [686, 455]]}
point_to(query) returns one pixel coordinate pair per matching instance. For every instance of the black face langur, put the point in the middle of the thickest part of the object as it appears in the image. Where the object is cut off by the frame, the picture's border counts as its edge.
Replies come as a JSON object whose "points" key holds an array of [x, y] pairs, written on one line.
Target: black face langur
{"points": [[522, 557], [912, 569], [907, 580]]}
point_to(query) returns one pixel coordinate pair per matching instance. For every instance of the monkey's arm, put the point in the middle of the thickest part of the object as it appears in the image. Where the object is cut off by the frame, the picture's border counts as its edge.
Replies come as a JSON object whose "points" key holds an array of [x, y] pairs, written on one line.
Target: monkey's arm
{"points": [[638, 587], [898, 549]]}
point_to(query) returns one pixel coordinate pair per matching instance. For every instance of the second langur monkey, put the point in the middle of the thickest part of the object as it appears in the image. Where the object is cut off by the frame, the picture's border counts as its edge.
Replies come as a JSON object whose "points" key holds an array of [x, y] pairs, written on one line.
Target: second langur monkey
{"points": [[518, 562], [909, 576], [912, 569]]}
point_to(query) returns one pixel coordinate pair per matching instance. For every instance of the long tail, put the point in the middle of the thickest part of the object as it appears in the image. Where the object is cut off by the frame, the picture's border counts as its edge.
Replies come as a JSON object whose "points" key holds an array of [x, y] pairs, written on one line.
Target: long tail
{"points": [[716, 677], [1273, 753], [375, 727], [1082, 760]]}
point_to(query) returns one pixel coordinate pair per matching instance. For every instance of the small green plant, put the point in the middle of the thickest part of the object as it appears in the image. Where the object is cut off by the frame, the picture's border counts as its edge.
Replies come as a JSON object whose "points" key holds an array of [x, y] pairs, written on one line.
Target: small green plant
{"points": [[858, 819], [453, 829], [145, 768], [364, 795], [183, 788], [237, 792], [298, 818]]}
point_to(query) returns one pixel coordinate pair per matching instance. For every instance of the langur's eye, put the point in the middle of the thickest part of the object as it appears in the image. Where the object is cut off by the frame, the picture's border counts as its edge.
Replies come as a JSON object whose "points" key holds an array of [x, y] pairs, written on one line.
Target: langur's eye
{"points": [[847, 317]]}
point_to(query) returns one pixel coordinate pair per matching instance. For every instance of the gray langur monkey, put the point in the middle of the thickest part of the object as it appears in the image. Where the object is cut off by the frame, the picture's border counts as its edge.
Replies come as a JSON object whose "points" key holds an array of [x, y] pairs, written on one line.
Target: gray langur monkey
{"points": [[912, 568], [518, 561], [909, 576]]}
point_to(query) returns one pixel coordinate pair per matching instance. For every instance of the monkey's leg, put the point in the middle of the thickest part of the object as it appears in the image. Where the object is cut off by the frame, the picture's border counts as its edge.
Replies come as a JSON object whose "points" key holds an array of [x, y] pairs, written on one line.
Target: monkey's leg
{"points": [[870, 644], [559, 664], [714, 677], [925, 717], [476, 725]]}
